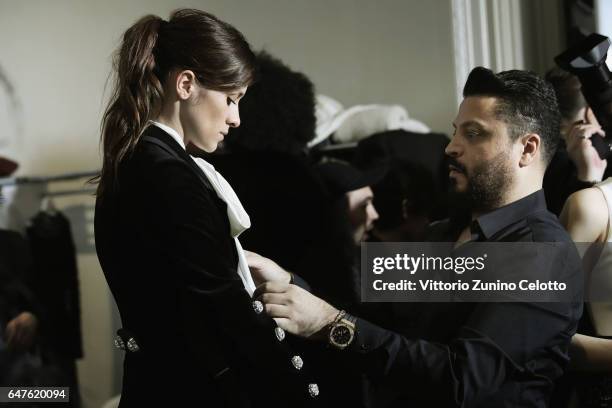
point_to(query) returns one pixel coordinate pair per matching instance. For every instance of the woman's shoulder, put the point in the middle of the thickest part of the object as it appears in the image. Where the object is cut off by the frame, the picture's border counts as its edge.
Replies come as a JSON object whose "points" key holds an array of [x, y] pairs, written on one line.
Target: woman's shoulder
{"points": [[155, 151], [153, 167], [585, 215], [154, 143]]}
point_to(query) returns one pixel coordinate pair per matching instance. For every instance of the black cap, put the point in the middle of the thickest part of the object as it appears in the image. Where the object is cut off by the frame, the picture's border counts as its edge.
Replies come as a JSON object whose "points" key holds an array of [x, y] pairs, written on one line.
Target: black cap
{"points": [[341, 177]]}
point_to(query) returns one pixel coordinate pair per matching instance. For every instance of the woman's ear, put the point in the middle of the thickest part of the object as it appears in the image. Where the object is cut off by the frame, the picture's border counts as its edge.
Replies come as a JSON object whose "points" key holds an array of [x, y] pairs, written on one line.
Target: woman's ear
{"points": [[185, 84]]}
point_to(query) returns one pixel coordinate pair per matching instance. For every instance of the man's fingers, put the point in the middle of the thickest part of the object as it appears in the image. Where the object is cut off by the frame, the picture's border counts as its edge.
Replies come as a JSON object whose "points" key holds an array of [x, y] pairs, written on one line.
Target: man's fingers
{"points": [[590, 117], [270, 287], [253, 259], [581, 131], [286, 324], [276, 311], [274, 298]]}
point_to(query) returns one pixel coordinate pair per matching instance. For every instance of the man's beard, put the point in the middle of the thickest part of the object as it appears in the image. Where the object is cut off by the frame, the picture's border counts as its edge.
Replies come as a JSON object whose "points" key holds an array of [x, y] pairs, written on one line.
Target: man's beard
{"points": [[487, 184]]}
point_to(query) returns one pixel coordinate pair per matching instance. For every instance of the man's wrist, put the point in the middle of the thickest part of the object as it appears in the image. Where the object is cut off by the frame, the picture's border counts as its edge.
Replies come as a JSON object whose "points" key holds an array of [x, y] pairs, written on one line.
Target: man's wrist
{"points": [[329, 317], [332, 316]]}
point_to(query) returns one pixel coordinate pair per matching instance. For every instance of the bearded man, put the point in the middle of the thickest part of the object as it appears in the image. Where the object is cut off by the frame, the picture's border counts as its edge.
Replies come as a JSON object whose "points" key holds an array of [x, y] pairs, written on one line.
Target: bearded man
{"points": [[476, 354]]}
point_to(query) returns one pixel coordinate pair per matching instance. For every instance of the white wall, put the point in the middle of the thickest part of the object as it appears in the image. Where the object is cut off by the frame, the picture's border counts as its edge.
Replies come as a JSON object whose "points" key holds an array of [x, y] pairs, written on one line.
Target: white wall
{"points": [[56, 55], [506, 34], [603, 22]]}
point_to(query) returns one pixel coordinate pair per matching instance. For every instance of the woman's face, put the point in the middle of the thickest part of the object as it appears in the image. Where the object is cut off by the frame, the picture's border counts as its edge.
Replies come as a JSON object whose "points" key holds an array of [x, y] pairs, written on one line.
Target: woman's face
{"points": [[207, 116]]}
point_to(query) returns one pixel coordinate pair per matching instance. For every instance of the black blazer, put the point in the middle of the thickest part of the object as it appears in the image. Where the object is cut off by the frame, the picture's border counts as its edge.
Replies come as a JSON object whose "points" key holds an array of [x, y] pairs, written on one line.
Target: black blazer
{"points": [[163, 241]]}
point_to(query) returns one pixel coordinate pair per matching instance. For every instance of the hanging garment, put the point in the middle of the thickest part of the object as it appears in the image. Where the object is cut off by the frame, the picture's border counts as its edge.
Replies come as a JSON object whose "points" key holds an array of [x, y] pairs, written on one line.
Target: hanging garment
{"points": [[15, 298], [15, 266], [55, 283]]}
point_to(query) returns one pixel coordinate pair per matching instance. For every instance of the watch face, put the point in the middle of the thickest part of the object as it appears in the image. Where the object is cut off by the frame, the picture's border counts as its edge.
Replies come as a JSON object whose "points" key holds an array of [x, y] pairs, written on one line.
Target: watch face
{"points": [[341, 334]]}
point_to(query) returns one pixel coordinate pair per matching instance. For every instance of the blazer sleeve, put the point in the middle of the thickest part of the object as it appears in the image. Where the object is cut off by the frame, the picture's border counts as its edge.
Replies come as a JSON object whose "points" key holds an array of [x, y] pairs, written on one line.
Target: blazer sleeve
{"points": [[196, 242]]}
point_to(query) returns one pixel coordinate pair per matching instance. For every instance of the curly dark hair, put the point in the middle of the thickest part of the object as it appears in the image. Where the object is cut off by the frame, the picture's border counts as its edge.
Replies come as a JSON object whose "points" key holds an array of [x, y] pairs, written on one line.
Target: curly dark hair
{"points": [[277, 112]]}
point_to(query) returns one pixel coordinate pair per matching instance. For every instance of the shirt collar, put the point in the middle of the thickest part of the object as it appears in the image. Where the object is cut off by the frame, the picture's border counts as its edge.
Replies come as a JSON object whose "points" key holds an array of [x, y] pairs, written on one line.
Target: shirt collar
{"points": [[175, 135], [496, 220]]}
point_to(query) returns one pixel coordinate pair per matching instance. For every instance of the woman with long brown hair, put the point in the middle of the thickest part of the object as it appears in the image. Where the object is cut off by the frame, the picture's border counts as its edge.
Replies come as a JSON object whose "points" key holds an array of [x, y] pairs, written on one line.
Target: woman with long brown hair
{"points": [[166, 226]]}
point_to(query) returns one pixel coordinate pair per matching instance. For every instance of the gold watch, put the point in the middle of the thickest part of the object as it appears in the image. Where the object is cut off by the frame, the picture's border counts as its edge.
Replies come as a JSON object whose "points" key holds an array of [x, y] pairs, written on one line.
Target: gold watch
{"points": [[342, 330]]}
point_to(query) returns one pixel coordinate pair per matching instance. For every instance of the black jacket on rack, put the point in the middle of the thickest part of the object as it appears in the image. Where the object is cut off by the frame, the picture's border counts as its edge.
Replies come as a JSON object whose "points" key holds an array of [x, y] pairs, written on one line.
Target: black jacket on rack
{"points": [[164, 243], [55, 283], [15, 298], [15, 270]]}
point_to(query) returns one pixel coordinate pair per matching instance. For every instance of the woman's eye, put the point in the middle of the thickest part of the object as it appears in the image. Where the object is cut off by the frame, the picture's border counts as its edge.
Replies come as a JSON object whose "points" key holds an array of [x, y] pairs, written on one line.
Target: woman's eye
{"points": [[230, 101]]}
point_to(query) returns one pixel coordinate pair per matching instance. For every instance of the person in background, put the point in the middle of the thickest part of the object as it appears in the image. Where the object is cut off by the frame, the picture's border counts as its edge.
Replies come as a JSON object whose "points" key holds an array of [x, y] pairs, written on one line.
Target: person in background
{"points": [[351, 196], [468, 354], [405, 199], [353, 187], [586, 216], [576, 164]]}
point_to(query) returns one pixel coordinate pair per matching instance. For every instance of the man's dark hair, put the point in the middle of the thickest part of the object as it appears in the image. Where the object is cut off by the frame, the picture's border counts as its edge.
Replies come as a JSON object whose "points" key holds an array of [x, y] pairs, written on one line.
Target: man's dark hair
{"points": [[525, 102], [569, 92]]}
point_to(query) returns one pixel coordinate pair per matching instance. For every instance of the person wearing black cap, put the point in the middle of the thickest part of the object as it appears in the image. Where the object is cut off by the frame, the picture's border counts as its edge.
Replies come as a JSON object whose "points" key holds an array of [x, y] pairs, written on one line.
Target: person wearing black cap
{"points": [[575, 165], [333, 272], [352, 185], [469, 354]]}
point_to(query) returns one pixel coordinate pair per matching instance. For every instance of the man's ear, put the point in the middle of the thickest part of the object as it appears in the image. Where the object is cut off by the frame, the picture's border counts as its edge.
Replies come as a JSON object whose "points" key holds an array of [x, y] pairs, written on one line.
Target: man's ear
{"points": [[185, 84], [531, 148]]}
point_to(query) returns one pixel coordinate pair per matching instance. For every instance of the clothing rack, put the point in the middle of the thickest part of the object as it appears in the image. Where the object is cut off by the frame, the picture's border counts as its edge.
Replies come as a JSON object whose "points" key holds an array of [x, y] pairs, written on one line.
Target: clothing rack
{"points": [[337, 146], [80, 191], [11, 181]]}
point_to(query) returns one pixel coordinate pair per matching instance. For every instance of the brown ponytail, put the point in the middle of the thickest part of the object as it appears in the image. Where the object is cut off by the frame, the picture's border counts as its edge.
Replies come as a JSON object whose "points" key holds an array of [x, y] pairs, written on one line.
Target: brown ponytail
{"points": [[215, 51]]}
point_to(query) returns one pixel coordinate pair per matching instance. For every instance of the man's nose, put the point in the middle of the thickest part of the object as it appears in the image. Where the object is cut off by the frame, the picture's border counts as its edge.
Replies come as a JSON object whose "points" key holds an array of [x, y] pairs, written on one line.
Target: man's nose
{"points": [[452, 148]]}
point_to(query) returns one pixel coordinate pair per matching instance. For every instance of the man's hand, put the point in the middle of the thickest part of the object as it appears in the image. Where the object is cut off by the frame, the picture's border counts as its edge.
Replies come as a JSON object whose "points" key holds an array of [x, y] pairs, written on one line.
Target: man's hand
{"points": [[589, 166], [294, 309], [265, 270], [21, 331]]}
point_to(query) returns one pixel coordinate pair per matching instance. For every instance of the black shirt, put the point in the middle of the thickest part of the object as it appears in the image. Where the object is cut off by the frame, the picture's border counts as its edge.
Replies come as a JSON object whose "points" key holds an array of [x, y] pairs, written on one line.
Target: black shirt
{"points": [[476, 354]]}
